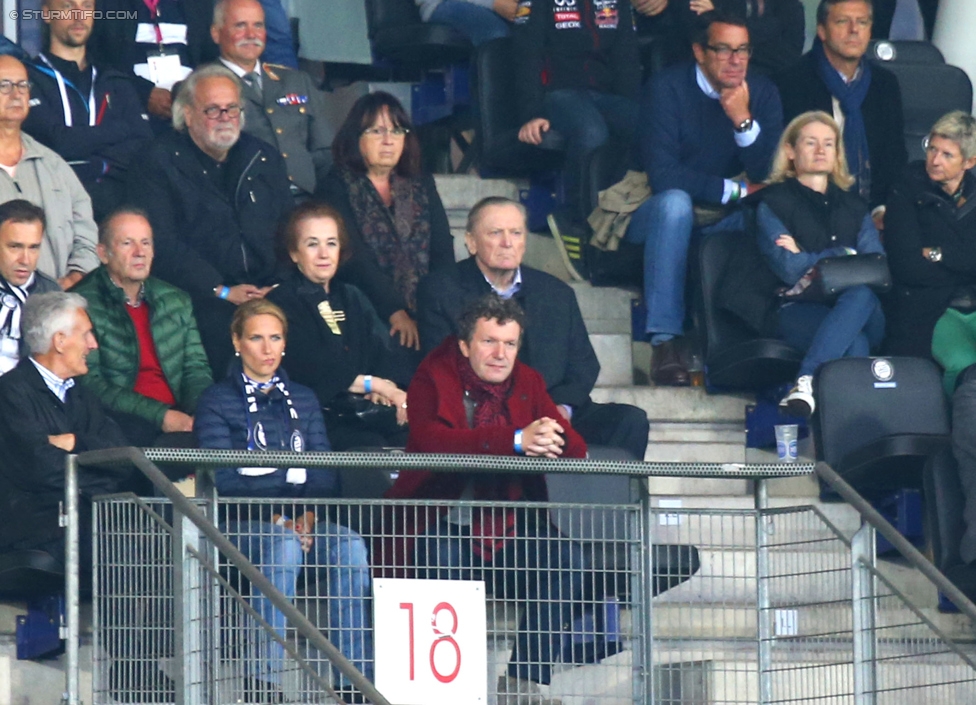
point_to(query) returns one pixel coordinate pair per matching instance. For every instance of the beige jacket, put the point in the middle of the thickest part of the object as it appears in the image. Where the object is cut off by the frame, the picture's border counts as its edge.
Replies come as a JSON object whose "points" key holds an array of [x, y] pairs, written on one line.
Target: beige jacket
{"points": [[70, 236], [617, 204]]}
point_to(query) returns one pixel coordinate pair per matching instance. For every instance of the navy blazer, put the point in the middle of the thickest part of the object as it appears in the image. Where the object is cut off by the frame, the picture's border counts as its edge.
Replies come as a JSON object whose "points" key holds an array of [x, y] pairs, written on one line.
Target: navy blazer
{"points": [[555, 343]]}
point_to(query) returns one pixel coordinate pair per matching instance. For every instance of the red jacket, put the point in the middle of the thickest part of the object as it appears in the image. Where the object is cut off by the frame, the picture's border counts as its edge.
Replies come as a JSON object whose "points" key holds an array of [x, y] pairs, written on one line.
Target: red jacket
{"points": [[438, 424]]}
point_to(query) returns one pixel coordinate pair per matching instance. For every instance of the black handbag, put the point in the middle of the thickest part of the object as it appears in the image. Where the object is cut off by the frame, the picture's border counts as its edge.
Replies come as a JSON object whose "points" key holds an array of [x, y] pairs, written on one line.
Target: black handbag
{"points": [[829, 277], [356, 410]]}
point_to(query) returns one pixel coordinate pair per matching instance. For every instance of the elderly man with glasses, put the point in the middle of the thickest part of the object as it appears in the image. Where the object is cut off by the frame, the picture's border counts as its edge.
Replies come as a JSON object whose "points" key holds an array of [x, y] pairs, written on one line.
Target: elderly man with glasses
{"points": [[214, 196], [31, 171], [707, 134]]}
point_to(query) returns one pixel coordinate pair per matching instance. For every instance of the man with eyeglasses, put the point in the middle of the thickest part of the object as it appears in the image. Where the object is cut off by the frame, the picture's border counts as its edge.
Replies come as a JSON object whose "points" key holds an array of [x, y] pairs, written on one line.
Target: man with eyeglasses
{"points": [[282, 106], [31, 171], [863, 98], [214, 198], [90, 115], [707, 135]]}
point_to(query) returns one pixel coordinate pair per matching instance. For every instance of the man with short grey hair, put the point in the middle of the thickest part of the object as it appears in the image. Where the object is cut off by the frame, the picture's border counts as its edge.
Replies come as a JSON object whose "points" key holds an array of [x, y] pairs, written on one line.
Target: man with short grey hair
{"points": [[214, 196], [44, 417]]}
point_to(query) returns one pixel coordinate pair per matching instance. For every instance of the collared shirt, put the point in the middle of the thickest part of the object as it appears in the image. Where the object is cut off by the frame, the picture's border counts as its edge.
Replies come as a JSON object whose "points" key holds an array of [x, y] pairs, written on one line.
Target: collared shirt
{"points": [[512, 289], [743, 139], [240, 73], [140, 296], [57, 385]]}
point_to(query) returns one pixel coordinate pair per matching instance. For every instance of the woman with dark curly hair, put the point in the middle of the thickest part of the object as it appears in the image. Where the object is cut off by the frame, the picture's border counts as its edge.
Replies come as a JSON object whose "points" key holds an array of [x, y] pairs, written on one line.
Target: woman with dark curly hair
{"points": [[398, 230]]}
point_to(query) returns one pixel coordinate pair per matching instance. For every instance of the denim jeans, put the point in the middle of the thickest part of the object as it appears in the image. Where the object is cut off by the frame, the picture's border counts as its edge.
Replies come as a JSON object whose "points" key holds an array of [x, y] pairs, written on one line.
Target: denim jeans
{"points": [[587, 119], [665, 225], [479, 24], [540, 567], [340, 554], [852, 327], [280, 48]]}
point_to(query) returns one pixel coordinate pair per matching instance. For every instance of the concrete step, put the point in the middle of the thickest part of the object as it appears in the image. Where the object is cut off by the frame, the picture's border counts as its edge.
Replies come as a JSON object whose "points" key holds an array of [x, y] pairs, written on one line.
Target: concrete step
{"points": [[679, 404], [39, 682]]}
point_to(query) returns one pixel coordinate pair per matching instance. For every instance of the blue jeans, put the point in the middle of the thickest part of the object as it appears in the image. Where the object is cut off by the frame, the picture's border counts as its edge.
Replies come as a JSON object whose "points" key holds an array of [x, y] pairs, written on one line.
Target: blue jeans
{"points": [[664, 224], [540, 568], [337, 551], [280, 48], [587, 119], [852, 327], [479, 24]]}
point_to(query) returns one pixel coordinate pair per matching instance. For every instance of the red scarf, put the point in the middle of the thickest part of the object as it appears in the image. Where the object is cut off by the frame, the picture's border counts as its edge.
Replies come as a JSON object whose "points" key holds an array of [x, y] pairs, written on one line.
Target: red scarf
{"points": [[491, 527]]}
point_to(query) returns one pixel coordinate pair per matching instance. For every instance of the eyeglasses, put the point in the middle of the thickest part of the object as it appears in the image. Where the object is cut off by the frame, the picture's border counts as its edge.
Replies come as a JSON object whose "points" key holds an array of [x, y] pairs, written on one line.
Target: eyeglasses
{"points": [[214, 112], [382, 132], [7, 86], [725, 52]]}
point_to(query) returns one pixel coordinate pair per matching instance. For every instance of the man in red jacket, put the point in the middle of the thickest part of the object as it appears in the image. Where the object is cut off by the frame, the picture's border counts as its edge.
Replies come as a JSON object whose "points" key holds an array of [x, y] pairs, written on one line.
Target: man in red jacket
{"points": [[472, 395]]}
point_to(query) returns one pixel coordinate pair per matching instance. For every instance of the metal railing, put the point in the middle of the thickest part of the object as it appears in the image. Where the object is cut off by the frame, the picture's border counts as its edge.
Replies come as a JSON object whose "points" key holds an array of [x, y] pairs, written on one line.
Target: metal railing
{"points": [[762, 604]]}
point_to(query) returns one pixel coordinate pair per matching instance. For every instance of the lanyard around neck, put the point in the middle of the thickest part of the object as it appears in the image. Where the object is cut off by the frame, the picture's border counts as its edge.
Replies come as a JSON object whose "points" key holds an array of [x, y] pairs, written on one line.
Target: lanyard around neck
{"points": [[62, 88]]}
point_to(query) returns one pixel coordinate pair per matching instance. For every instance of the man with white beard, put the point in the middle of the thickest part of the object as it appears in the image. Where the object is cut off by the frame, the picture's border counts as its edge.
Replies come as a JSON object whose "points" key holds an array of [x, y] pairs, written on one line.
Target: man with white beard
{"points": [[214, 196], [281, 105]]}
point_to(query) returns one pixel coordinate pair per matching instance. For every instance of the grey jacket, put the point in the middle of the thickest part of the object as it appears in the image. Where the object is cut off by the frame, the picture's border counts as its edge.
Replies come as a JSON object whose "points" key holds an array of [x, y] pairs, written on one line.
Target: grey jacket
{"points": [[290, 114], [70, 236], [427, 7]]}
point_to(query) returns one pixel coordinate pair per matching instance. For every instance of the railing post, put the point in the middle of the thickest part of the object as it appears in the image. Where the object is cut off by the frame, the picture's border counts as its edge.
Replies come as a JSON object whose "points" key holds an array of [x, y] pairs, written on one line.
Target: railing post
{"points": [[646, 594], [69, 520], [764, 613], [863, 608], [188, 614]]}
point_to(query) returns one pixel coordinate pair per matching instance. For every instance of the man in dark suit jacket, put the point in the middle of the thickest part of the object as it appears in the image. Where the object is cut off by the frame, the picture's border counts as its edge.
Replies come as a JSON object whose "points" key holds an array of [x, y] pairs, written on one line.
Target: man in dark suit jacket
{"points": [[864, 98], [555, 343], [44, 416]]}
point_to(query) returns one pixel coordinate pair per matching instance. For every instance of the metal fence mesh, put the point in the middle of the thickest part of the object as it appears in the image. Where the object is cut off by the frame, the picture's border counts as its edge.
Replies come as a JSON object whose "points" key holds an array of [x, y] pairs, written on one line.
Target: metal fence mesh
{"points": [[587, 604]]}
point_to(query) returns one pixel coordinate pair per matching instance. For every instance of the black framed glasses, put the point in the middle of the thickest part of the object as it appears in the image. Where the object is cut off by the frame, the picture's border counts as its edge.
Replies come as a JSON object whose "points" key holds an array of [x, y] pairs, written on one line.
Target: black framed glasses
{"points": [[214, 111], [7, 86], [725, 52]]}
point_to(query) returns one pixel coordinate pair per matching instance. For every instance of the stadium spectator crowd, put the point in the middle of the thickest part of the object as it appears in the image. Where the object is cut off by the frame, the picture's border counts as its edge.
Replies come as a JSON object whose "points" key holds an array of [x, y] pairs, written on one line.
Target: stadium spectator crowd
{"points": [[234, 225]]}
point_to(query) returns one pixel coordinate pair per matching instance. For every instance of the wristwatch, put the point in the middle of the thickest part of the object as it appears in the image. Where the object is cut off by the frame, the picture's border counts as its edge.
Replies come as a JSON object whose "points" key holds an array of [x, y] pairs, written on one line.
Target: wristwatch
{"points": [[935, 254], [744, 126]]}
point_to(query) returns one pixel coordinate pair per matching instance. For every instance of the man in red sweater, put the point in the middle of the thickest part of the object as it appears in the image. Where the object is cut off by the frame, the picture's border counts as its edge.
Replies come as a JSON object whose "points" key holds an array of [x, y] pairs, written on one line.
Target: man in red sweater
{"points": [[472, 395]]}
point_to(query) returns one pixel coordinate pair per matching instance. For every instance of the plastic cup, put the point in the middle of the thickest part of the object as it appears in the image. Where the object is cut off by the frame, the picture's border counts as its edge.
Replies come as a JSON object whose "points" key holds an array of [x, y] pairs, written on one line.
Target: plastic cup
{"points": [[786, 442]]}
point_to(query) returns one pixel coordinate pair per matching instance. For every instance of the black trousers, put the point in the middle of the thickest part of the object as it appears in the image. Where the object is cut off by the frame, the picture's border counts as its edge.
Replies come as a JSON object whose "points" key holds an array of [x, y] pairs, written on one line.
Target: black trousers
{"points": [[615, 425]]}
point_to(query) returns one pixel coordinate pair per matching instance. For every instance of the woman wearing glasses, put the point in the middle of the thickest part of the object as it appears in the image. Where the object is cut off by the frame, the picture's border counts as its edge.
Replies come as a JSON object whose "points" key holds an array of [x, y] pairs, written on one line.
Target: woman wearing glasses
{"points": [[397, 227]]}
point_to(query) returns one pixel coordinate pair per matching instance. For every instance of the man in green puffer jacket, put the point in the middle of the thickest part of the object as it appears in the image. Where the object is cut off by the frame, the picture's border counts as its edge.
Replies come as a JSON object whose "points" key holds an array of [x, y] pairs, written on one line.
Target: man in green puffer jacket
{"points": [[150, 367]]}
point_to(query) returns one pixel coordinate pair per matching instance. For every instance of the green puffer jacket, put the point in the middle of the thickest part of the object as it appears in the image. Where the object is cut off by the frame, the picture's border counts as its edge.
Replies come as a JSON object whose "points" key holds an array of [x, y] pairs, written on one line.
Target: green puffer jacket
{"points": [[112, 368]]}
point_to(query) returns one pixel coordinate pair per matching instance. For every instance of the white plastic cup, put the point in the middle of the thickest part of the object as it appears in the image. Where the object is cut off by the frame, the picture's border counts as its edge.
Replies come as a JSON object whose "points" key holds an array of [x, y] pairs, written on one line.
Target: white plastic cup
{"points": [[786, 442]]}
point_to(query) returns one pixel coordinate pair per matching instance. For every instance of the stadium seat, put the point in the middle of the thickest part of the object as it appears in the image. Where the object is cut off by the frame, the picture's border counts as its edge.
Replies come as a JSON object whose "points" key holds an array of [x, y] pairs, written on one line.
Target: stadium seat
{"points": [[735, 356], [398, 35], [29, 573], [943, 507], [498, 151], [879, 420], [886, 51]]}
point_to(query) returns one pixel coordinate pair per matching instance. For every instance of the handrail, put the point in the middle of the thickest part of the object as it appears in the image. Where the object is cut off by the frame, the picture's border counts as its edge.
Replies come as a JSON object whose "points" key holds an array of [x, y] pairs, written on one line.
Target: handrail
{"points": [[294, 616], [903, 545]]}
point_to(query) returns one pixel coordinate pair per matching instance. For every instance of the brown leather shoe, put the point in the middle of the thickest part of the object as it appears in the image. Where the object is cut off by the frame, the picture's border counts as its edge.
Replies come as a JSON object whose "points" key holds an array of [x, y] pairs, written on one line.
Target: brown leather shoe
{"points": [[667, 368]]}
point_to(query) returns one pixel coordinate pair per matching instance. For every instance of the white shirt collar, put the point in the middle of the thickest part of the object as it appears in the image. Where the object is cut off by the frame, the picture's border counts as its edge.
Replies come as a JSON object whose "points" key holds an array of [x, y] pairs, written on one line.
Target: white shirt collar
{"points": [[511, 290], [59, 387], [238, 71], [705, 84]]}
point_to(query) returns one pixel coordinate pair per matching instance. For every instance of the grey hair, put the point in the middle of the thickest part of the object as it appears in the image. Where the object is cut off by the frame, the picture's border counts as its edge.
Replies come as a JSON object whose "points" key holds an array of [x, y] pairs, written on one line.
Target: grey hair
{"points": [[47, 314], [220, 10], [474, 215], [958, 127], [187, 93]]}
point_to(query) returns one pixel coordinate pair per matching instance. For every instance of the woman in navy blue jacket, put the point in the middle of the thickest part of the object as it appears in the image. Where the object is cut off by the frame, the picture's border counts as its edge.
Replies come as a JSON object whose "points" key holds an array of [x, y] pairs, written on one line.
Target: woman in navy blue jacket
{"points": [[257, 408]]}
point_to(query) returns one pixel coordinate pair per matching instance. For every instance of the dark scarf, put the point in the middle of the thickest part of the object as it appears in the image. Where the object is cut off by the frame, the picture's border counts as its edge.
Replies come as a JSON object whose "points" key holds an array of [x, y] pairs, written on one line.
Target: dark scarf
{"points": [[399, 235], [490, 527], [850, 96]]}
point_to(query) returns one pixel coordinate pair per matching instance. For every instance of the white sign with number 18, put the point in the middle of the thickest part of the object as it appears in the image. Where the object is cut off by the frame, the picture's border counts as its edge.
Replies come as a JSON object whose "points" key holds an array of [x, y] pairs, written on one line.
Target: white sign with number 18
{"points": [[429, 641]]}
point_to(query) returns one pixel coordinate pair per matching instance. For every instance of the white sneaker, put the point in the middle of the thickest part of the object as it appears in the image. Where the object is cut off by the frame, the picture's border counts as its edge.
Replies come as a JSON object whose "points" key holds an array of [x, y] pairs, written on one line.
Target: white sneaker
{"points": [[799, 402], [516, 691]]}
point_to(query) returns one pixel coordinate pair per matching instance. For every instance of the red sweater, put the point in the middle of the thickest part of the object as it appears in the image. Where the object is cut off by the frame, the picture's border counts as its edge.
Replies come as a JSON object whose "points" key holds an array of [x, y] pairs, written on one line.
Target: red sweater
{"points": [[438, 424], [150, 380]]}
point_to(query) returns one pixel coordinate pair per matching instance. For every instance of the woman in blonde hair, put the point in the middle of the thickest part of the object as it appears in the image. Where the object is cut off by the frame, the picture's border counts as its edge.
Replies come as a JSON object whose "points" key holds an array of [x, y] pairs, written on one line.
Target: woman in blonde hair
{"points": [[807, 214]]}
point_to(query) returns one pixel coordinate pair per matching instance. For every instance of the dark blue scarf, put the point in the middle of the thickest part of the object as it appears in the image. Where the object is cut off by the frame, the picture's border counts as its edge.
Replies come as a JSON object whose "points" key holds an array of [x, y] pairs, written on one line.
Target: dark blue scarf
{"points": [[850, 96]]}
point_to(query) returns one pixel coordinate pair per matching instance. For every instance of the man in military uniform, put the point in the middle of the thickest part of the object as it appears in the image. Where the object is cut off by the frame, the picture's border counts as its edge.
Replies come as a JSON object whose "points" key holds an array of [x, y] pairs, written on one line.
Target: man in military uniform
{"points": [[281, 105]]}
